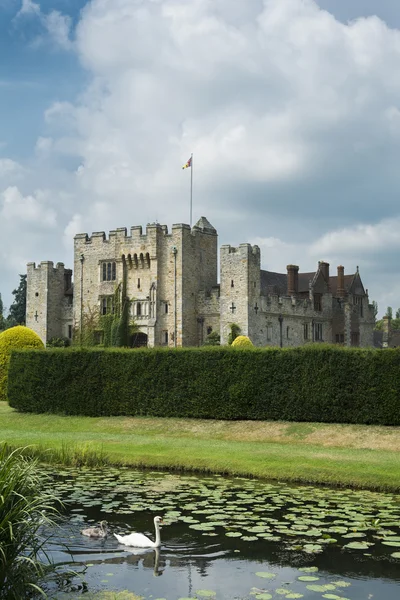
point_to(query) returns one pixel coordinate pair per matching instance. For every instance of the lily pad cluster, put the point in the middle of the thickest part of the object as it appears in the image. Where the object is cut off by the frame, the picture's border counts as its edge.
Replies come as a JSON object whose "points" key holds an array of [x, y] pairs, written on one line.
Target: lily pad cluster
{"points": [[302, 518]]}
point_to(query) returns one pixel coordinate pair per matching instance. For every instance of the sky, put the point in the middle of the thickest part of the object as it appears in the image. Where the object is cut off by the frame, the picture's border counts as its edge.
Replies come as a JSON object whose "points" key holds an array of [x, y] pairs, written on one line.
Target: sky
{"points": [[291, 109]]}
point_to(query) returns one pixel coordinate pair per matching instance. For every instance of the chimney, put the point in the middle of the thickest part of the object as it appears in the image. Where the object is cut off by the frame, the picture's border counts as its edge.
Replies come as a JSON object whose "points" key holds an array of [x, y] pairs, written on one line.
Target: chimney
{"points": [[324, 268], [340, 282], [292, 280]]}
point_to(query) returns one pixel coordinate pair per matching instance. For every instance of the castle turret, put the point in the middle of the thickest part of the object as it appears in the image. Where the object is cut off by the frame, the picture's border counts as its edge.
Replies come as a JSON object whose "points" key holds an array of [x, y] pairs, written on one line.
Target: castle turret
{"points": [[49, 299], [240, 289]]}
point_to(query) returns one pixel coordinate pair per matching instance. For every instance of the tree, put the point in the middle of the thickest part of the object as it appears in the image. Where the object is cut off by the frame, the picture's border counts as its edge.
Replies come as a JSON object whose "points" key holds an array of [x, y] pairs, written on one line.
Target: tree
{"points": [[2, 319], [375, 308], [398, 313], [17, 312], [389, 312]]}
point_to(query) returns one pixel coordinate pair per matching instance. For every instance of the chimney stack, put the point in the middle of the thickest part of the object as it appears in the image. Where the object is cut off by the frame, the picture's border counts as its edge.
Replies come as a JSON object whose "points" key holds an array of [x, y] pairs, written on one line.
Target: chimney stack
{"points": [[324, 268], [340, 282], [292, 280]]}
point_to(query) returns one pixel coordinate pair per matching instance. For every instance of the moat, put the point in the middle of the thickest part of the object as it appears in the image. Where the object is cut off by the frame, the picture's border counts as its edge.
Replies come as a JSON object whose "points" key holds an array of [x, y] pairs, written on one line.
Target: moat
{"points": [[225, 538]]}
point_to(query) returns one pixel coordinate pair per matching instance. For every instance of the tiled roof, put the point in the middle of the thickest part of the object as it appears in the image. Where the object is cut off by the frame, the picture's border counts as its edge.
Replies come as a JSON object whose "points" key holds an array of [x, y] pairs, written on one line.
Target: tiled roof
{"points": [[273, 283]]}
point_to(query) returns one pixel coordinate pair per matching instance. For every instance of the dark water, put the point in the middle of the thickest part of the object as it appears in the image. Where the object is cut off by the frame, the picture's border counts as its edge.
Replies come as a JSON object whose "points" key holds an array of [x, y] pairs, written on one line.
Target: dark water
{"points": [[226, 538]]}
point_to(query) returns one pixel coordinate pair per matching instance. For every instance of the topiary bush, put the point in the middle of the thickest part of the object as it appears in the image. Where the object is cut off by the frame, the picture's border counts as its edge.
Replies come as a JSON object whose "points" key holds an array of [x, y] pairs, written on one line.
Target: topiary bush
{"points": [[11, 339], [242, 341]]}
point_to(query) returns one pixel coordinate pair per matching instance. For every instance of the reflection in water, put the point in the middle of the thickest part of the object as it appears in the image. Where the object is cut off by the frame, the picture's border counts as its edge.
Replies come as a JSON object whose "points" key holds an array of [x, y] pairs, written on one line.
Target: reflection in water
{"points": [[234, 537]]}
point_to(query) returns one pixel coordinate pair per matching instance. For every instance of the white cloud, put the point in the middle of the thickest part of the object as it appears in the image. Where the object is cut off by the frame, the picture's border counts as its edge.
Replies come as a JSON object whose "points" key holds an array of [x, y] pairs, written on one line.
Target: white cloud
{"points": [[28, 7], [59, 29], [31, 208], [292, 116], [360, 239], [57, 25]]}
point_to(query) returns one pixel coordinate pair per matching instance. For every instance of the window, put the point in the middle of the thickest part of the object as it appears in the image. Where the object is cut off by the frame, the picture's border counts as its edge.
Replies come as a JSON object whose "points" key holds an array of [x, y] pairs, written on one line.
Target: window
{"points": [[355, 338], [287, 332], [209, 330], [358, 301], [339, 338], [109, 271], [318, 302], [164, 338], [318, 332], [107, 305], [232, 284], [138, 284], [269, 333], [306, 331], [138, 309], [166, 308], [70, 332]]}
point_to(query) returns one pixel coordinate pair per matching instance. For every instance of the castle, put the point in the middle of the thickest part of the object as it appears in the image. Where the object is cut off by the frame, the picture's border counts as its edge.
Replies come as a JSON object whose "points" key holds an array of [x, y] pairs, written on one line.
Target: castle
{"points": [[171, 280]]}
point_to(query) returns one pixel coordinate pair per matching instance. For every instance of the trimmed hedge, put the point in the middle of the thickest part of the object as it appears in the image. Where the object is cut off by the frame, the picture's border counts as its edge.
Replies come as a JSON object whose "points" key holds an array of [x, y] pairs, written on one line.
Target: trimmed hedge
{"points": [[325, 384], [10, 339]]}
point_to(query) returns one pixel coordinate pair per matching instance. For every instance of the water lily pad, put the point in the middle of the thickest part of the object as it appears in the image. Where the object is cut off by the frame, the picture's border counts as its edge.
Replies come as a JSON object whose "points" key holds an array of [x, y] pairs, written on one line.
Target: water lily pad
{"points": [[266, 575], [308, 578], [205, 593], [263, 596], [357, 545], [395, 555], [309, 569]]}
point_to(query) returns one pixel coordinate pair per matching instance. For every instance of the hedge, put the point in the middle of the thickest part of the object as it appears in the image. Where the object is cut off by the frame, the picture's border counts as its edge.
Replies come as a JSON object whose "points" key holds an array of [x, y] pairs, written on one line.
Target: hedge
{"points": [[10, 339], [324, 384]]}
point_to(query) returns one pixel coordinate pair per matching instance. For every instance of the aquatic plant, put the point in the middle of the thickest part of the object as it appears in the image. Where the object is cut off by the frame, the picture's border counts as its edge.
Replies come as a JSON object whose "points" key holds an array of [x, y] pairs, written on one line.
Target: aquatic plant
{"points": [[25, 507]]}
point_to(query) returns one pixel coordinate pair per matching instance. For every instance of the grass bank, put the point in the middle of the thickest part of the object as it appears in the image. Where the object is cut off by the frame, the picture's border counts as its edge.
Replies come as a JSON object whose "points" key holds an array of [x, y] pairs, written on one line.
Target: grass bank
{"points": [[347, 455]]}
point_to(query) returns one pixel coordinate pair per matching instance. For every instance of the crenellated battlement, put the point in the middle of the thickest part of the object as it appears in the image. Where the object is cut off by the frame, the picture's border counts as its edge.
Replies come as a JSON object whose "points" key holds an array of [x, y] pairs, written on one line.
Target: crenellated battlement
{"points": [[46, 265], [241, 250]]}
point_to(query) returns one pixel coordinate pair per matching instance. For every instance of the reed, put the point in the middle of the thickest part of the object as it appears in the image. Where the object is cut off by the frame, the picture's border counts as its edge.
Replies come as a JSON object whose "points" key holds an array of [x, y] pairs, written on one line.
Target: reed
{"points": [[25, 507]]}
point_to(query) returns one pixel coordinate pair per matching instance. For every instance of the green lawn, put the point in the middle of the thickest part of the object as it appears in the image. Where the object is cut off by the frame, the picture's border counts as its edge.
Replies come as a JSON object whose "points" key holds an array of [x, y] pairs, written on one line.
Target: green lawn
{"points": [[357, 456]]}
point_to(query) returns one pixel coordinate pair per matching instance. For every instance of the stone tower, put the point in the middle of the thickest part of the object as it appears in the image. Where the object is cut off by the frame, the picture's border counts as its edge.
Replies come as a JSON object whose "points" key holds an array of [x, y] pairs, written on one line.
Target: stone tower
{"points": [[240, 289], [49, 298], [164, 273]]}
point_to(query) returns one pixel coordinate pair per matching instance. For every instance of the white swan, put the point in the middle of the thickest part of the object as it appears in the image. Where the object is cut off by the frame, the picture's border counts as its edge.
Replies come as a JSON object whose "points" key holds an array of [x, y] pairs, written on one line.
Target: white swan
{"points": [[138, 540], [96, 532]]}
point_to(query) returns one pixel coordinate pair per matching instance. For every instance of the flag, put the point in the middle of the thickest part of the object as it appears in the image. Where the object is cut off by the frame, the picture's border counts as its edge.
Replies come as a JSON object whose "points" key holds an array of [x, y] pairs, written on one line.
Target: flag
{"points": [[188, 164]]}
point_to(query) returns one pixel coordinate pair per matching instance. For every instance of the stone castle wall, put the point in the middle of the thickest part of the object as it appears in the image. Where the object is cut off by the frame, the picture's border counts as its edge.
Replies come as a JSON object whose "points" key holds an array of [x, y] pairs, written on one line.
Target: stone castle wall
{"points": [[175, 299]]}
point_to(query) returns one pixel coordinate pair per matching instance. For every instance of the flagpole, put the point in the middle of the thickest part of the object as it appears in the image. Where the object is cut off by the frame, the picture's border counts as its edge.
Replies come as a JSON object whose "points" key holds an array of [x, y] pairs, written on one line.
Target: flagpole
{"points": [[191, 187]]}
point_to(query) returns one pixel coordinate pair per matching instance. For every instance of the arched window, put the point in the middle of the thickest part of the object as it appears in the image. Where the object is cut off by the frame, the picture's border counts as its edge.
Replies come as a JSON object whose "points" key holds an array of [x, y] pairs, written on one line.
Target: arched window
{"points": [[138, 309], [147, 260]]}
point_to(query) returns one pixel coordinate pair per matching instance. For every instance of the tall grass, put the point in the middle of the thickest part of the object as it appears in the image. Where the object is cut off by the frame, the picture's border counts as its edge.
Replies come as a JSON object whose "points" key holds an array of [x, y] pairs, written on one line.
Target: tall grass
{"points": [[25, 507]]}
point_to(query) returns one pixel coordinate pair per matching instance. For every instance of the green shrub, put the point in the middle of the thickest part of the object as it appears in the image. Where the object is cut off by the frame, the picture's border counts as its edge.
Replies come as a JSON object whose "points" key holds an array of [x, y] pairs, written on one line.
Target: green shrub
{"points": [[25, 507], [325, 384], [10, 339], [242, 341], [212, 339]]}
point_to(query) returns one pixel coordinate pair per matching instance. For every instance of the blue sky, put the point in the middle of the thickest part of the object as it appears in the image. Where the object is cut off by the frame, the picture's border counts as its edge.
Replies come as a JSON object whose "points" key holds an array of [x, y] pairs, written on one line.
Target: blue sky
{"points": [[291, 108]]}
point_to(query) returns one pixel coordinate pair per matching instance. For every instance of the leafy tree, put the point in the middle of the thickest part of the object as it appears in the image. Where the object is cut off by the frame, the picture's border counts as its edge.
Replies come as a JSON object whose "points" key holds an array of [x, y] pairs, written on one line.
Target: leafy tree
{"points": [[375, 308], [389, 312], [398, 313], [2, 319], [17, 312]]}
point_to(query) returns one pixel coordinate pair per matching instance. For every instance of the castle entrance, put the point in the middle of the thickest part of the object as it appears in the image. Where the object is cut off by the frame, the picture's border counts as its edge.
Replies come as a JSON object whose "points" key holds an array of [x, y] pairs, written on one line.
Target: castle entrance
{"points": [[139, 340]]}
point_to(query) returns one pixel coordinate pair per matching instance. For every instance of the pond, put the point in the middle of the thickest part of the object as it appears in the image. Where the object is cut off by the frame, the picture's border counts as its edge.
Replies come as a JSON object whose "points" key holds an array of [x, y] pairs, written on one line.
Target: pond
{"points": [[225, 538]]}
